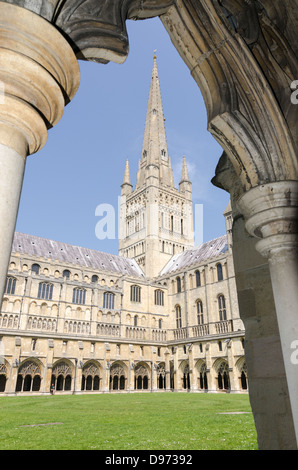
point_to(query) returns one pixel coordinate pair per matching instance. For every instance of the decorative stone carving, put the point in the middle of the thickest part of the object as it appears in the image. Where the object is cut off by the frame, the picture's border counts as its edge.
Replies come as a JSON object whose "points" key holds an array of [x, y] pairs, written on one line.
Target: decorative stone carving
{"points": [[96, 28]]}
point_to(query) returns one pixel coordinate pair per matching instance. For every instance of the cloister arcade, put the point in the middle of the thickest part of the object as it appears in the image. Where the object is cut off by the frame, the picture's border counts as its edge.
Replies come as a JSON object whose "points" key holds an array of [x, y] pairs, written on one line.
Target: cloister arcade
{"points": [[32, 376]]}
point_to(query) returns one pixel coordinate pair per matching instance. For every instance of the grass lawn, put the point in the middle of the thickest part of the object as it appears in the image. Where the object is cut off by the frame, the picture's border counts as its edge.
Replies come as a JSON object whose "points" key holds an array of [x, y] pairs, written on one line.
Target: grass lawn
{"points": [[140, 421]]}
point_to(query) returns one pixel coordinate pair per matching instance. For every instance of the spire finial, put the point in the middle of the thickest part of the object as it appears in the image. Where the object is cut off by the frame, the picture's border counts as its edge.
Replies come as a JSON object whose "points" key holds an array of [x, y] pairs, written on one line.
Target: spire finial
{"points": [[154, 57]]}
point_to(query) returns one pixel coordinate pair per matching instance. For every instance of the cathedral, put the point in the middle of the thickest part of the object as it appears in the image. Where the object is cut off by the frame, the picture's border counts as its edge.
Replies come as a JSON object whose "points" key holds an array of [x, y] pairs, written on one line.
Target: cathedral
{"points": [[160, 316]]}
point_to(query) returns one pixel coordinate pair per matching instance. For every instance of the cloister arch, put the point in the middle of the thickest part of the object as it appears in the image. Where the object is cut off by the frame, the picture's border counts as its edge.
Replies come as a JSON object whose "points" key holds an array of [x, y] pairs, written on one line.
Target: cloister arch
{"points": [[202, 377], [62, 375], [4, 368], [141, 376], [243, 56], [118, 376], [29, 376], [91, 376]]}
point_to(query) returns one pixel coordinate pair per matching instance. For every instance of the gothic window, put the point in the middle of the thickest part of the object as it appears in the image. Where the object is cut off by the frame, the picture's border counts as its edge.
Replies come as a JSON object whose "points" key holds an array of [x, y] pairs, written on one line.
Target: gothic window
{"points": [[163, 154], [66, 274], [178, 279], [45, 291], [200, 315], [223, 378], [10, 285], [158, 297], [141, 377], [186, 378], [3, 377], [198, 278], [161, 376], [178, 316], [135, 320], [29, 377], [35, 269], [90, 378], [108, 300], [62, 377], [135, 293], [203, 382], [78, 296], [243, 377], [219, 272], [117, 377], [222, 308]]}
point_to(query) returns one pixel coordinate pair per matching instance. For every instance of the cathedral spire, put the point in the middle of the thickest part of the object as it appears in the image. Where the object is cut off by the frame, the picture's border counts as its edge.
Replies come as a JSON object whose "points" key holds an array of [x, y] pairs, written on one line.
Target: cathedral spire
{"points": [[155, 161]]}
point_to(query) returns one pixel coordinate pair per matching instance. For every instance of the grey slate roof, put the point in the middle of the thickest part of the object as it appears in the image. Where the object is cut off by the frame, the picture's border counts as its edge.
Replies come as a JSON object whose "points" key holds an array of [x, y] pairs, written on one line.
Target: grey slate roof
{"points": [[206, 251], [76, 255]]}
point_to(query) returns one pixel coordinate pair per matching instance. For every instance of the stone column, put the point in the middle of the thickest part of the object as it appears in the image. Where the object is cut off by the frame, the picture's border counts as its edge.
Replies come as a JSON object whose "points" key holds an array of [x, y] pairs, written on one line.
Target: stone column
{"points": [[39, 75], [271, 213]]}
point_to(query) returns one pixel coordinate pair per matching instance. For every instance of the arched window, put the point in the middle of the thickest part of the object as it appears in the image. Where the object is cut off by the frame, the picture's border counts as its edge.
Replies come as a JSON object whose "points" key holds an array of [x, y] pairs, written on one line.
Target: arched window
{"points": [[78, 296], [135, 294], [158, 297], [29, 377], [94, 278], [223, 378], [200, 316], [219, 272], [222, 308], [61, 377], [45, 291], [198, 278], [108, 300], [178, 279], [135, 320], [178, 317], [66, 274], [203, 381], [35, 268], [10, 285]]}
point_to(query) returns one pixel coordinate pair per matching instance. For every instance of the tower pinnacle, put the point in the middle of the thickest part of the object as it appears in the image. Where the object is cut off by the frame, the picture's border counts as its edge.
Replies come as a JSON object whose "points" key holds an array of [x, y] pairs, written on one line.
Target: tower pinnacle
{"points": [[126, 186]]}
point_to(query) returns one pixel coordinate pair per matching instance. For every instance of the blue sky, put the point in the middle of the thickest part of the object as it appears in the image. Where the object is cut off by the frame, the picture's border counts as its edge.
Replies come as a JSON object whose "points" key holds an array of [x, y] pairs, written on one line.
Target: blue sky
{"points": [[82, 164]]}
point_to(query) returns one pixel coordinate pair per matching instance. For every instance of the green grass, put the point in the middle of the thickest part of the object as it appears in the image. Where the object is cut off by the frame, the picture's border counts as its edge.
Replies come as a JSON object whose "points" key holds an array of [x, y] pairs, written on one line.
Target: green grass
{"points": [[148, 421]]}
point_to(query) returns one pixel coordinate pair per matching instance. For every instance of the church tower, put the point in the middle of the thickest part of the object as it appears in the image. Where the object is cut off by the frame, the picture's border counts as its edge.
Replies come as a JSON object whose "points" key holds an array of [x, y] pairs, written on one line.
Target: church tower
{"points": [[156, 219]]}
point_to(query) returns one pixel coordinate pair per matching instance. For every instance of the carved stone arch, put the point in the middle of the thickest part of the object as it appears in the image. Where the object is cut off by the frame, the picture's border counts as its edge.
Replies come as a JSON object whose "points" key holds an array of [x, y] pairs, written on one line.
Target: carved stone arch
{"points": [[118, 376], [91, 376], [142, 376], [253, 132], [241, 368], [221, 367], [4, 373], [202, 374], [30, 374], [185, 373], [62, 375]]}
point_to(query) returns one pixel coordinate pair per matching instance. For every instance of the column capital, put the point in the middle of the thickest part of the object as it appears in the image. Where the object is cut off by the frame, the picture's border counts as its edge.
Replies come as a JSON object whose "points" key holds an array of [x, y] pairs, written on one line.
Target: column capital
{"points": [[271, 214], [39, 76]]}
